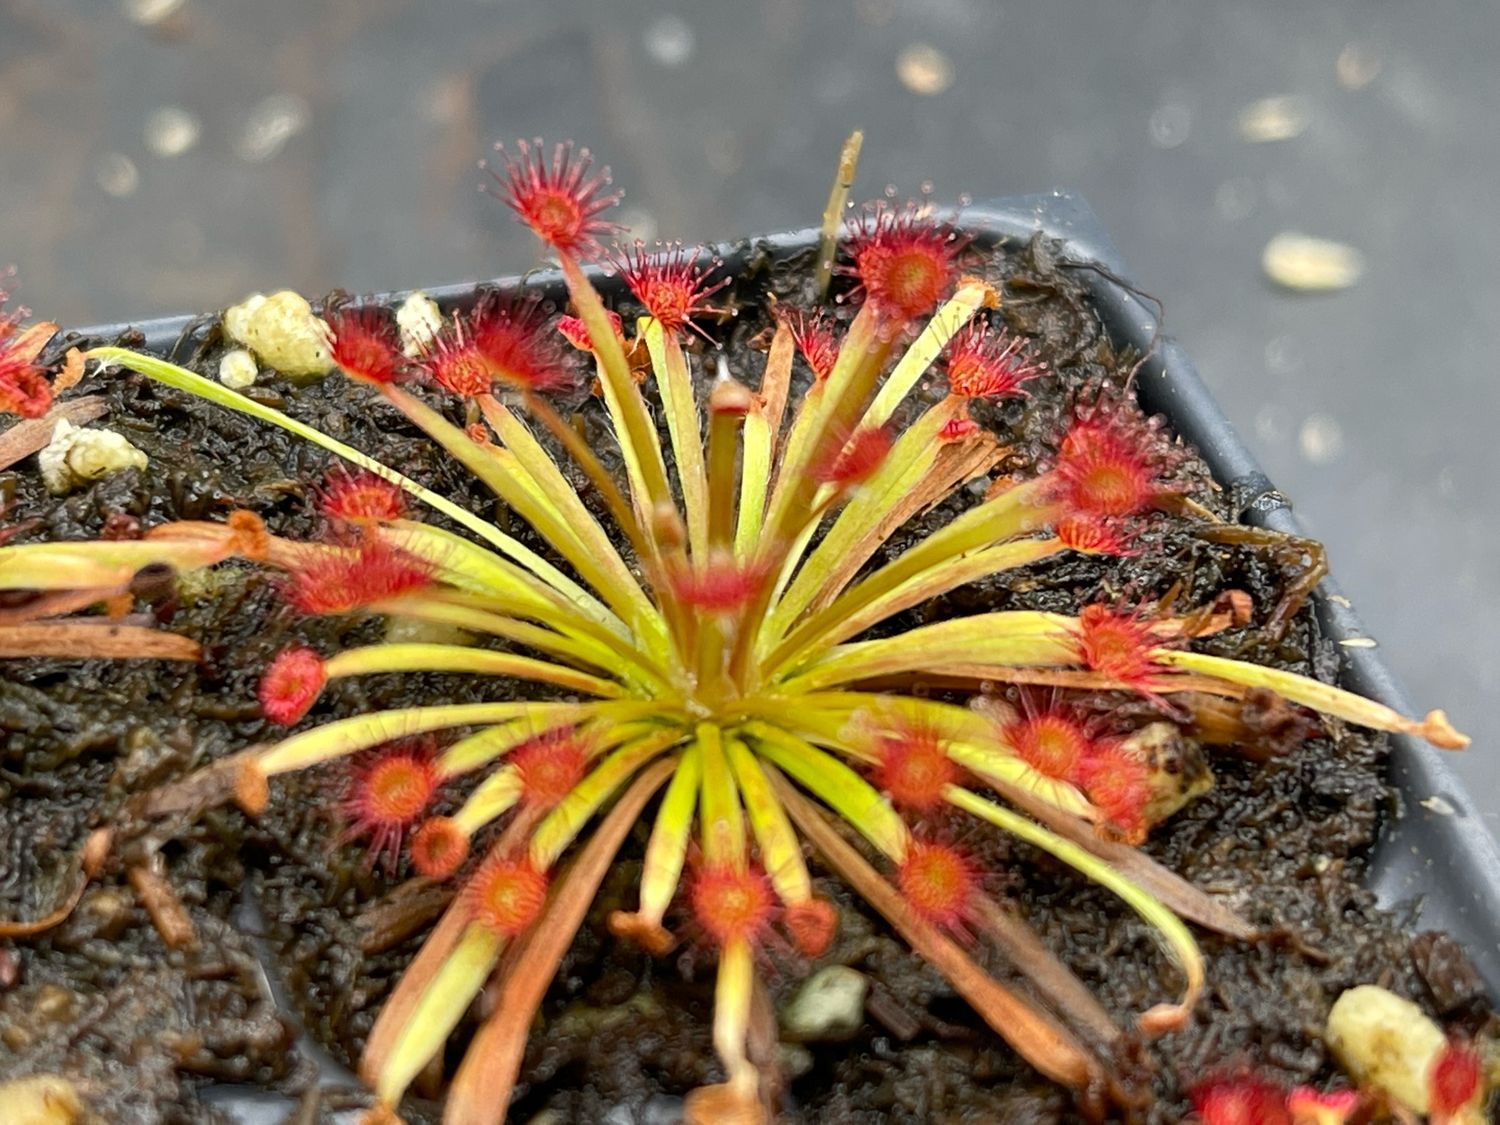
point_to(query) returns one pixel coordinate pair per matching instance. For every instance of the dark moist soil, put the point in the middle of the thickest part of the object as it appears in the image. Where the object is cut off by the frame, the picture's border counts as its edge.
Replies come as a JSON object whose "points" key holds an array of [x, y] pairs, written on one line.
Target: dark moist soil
{"points": [[145, 1030]]}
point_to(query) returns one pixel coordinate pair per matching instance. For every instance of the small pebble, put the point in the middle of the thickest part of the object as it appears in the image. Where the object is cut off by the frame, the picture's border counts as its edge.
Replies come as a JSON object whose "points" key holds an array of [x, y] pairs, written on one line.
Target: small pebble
{"points": [[53, 1003], [1384, 1041], [830, 1005], [238, 369], [793, 1059], [77, 455], [283, 333], [418, 320], [1301, 262], [236, 319], [41, 1099], [1273, 119], [923, 69]]}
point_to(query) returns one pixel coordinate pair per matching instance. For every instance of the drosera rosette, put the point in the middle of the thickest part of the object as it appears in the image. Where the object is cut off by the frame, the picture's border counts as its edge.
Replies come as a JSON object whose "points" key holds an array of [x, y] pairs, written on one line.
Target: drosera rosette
{"points": [[716, 629]]}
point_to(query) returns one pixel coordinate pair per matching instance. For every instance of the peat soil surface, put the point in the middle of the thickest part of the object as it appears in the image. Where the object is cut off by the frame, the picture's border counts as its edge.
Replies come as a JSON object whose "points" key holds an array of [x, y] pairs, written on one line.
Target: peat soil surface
{"points": [[144, 1028]]}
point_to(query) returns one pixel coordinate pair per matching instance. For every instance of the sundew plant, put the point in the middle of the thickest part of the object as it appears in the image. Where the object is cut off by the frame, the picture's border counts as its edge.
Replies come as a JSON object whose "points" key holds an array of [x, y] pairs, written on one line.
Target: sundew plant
{"points": [[714, 636]]}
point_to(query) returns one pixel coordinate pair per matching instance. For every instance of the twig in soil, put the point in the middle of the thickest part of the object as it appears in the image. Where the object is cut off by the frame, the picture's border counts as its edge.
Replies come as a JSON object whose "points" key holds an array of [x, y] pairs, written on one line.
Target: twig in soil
{"points": [[31, 434], [161, 902], [187, 798], [1303, 559], [1058, 985], [891, 1014], [1036, 1036], [392, 919], [91, 859], [80, 640]]}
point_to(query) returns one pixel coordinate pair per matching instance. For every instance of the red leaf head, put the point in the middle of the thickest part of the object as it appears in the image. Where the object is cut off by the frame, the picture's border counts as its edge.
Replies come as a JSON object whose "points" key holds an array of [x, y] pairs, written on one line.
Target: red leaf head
{"points": [[729, 903], [344, 579], [360, 497], [575, 333], [550, 765], [1054, 741], [811, 925], [291, 684], [516, 347], [559, 199], [454, 362], [858, 459], [365, 347], [24, 389], [438, 848], [938, 883], [912, 766], [1240, 1100], [1101, 472], [989, 364], [670, 283], [387, 793], [1117, 783], [1455, 1081], [1119, 645], [1113, 463], [506, 894], [1094, 536], [905, 260], [815, 338]]}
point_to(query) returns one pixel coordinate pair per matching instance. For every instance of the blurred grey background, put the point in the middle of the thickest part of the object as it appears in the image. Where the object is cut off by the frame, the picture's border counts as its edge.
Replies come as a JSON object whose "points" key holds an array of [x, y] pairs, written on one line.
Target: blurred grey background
{"points": [[172, 155]]}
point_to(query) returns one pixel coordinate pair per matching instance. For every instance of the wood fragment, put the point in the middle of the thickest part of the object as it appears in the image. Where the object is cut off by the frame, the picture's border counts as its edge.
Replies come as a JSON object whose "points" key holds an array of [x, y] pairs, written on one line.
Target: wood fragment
{"points": [[31, 434], [90, 860], [193, 794], [167, 913], [54, 603], [394, 917], [82, 640], [1058, 985]]}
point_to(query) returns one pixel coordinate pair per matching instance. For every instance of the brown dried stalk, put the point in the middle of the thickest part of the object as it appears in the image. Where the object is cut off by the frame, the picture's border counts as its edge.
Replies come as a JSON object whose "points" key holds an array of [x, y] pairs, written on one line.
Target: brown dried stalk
{"points": [[1034, 1034], [481, 1089]]}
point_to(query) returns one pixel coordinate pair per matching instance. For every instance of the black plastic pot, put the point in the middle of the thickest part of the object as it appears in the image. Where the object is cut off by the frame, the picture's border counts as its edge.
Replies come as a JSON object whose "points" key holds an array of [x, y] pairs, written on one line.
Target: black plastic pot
{"points": [[1435, 851]]}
